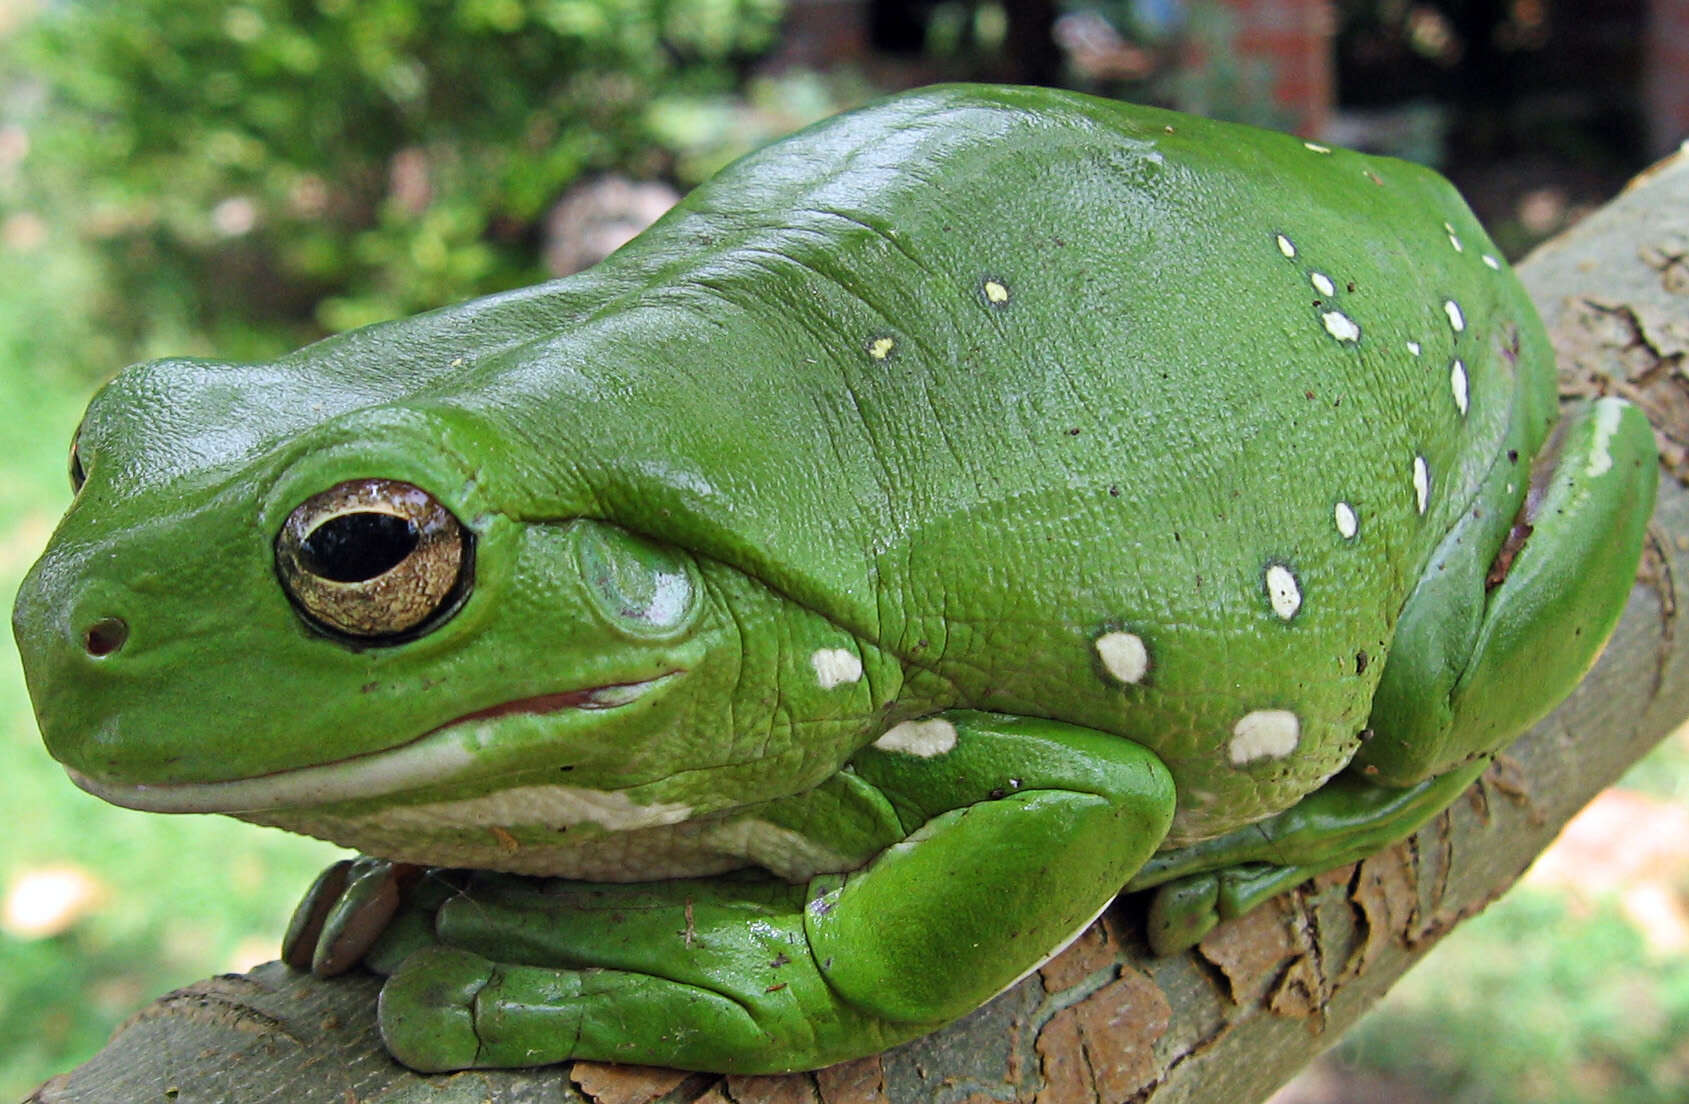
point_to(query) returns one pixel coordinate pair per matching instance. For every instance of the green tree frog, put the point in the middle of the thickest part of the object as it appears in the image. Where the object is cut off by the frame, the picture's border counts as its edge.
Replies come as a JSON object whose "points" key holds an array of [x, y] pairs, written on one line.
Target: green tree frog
{"points": [[766, 646]]}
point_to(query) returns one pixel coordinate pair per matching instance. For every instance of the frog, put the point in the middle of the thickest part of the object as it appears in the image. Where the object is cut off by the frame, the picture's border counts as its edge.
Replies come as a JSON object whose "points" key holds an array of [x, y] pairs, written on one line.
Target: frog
{"points": [[766, 646]]}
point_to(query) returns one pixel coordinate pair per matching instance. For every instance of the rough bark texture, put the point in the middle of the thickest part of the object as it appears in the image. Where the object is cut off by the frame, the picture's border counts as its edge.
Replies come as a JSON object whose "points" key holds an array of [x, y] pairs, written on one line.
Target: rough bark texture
{"points": [[1104, 1022]]}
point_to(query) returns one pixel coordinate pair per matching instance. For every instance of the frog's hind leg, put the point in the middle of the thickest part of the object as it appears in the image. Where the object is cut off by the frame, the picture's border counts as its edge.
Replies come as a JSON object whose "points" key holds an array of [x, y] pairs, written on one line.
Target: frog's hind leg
{"points": [[1500, 629], [1492, 639], [1344, 821]]}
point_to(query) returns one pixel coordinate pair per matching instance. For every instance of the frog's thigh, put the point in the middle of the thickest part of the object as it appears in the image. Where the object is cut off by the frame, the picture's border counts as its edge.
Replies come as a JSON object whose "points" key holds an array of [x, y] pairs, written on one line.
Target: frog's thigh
{"points": [[1027, 829], [1447, 696]]}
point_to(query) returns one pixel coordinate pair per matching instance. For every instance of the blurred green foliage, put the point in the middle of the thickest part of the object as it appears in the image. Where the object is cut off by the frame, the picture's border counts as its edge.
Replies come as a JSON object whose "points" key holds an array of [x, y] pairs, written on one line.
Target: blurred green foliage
{"points": [[347, 159], [1543, 999]]}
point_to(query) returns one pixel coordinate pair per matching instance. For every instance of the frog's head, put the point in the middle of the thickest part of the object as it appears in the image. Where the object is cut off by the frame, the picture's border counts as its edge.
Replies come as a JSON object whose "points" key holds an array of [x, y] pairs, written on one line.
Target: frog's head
{"points": [[282, 588]]}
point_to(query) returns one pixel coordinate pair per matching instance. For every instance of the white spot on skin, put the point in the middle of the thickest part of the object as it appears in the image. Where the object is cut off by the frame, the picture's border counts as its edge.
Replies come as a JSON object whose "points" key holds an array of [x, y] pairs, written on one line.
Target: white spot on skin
{"points": [[1265, 734], [1322, 284], [1454, 239], [835, 667], [1492, 262], [924, 739], [881, 347], [1457, 383], [1124, 656], [1316, 147], [1283, 591], [1421, 483], [1341, 326], [1607, 416], [1456, 319], [1413, 347], [996, 293], [1285, 246], [1347, 523]]}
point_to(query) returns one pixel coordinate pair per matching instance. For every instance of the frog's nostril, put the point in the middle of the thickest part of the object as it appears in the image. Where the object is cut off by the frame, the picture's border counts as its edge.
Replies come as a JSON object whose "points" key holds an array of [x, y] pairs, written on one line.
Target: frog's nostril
{"points": [[105, 636]]}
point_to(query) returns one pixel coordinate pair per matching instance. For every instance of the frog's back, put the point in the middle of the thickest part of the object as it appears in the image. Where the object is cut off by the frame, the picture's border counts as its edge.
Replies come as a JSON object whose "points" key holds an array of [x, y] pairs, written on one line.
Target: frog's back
{"points": [[1091, 411]]}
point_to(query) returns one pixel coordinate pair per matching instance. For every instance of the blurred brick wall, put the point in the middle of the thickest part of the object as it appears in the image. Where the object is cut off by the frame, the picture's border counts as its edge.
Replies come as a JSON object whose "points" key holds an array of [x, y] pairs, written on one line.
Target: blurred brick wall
{"points": [[1665, 75], [1295, 38], [823, 33]]}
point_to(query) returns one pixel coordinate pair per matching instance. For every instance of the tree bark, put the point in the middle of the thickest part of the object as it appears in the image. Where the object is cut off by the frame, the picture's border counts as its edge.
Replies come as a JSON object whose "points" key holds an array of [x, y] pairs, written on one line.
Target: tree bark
{"points": [[1105, 1021]]}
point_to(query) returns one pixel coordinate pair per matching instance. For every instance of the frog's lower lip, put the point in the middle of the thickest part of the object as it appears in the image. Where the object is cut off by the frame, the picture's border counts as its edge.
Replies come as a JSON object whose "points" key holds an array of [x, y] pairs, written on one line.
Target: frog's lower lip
{"points": [[430, 758]]}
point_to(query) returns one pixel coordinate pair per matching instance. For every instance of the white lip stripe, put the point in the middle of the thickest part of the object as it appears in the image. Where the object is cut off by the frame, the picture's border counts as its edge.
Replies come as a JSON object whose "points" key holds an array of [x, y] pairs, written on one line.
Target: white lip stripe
{"points": [[436, 757]]}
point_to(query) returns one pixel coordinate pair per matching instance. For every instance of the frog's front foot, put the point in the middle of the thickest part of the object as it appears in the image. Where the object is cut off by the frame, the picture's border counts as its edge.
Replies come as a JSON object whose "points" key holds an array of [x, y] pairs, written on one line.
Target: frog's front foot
{"points": [[1008, 836], [428, 1009], [448, 1009], [707, 974]]}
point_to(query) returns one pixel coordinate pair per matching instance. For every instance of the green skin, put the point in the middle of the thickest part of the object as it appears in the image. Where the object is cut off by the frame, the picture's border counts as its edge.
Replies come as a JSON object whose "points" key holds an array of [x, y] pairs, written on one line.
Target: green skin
{"points": [[947, 516]]}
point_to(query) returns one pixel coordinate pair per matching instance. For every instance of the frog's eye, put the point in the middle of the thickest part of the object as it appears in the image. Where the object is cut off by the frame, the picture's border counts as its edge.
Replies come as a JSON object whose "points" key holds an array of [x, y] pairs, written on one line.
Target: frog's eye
{"points": [[374, 559]]}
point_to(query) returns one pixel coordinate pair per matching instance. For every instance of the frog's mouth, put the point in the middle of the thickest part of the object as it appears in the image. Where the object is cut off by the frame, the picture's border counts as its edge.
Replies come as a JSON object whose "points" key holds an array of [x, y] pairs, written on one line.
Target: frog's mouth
{"points": [[444, 752]]}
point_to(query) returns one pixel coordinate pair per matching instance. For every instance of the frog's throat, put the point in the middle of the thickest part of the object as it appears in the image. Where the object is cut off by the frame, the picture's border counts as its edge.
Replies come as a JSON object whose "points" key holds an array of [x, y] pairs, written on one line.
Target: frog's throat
{"points": [[442, 753]]}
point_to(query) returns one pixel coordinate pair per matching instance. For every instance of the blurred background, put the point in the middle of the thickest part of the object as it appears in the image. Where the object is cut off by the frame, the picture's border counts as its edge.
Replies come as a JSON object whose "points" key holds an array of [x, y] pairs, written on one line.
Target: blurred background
{"points": [[211, 177]]}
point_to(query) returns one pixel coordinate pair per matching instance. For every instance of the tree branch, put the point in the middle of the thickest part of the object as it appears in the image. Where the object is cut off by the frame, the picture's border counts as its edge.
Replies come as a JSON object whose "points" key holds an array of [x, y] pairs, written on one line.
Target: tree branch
{"points": [[1233, 1019]]}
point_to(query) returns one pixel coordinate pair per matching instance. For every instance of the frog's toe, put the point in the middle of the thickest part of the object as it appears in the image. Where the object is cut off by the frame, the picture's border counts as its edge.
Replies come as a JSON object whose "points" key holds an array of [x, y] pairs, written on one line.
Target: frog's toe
{"points": [[345, 913], [374, 890], [1182, 912], [427, 1009], [299, 945]]}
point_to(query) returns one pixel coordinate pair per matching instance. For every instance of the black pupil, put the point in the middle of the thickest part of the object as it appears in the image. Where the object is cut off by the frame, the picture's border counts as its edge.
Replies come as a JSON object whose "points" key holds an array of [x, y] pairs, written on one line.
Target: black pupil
{"points": [[354, 547]]}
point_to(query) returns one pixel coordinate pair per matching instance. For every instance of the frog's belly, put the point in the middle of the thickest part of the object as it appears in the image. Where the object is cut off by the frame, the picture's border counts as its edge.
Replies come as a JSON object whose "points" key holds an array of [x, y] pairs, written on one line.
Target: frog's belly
{"points": [[563, 831]]}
